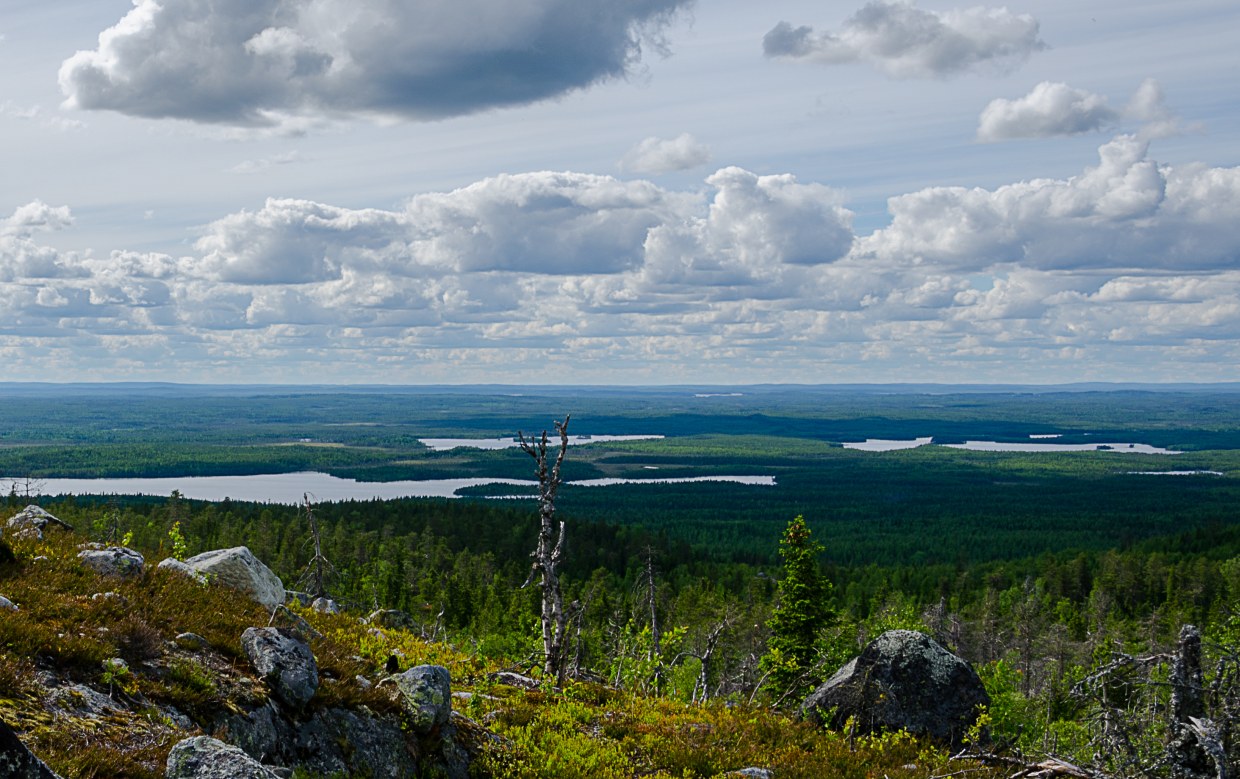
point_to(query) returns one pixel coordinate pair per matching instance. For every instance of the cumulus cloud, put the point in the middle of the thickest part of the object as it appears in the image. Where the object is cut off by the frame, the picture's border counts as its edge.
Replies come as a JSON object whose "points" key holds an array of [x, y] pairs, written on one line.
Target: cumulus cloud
{"points": [[21, 257], [661, 155], [1148, 107], [262, 62], [907, 42], [1128, 211], [1050, 109], [1056, 109], [1129, 260]]}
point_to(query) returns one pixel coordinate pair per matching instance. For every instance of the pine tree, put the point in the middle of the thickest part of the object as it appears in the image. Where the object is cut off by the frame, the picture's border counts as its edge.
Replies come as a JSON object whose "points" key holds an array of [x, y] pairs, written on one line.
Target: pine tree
{"points": [[801, 612]]}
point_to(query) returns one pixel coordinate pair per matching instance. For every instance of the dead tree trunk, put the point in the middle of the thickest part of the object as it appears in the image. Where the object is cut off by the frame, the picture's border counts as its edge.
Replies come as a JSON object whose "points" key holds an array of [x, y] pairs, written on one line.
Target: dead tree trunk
{"points": [[320, 568], [550, 550], [656, 638]]}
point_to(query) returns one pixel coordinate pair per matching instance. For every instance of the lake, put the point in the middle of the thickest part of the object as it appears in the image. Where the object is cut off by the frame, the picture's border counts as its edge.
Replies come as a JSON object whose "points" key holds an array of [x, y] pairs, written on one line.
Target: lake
{"points": [[444, 444], [289, 487], [884, 445]]}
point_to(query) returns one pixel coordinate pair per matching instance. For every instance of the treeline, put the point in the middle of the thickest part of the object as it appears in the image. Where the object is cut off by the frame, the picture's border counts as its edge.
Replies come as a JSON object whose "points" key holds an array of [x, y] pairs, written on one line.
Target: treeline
{"points": [[467, 559]]}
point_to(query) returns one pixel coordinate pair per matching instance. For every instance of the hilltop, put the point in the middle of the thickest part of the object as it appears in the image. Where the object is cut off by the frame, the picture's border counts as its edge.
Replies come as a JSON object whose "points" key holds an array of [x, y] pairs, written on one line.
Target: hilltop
{"points": [[103, 673]]}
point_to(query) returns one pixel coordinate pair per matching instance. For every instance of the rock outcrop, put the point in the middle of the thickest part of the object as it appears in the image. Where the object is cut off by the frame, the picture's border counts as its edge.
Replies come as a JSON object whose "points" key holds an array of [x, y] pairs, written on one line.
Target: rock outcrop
{"points": [[285, 662], [902, 680], [17, 762], [426, 695], [203, 757], [326, 606], [239, 569], [173, 565], [120, 561], [32, 521]]}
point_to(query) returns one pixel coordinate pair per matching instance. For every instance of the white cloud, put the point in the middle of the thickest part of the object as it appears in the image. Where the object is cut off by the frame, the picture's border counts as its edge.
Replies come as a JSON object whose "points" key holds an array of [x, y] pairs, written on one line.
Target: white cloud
{"points": [[269, 62], [1126, 212], [757, 271], [907, 42], [1148, 107], [1050, 109], [660, 155]]}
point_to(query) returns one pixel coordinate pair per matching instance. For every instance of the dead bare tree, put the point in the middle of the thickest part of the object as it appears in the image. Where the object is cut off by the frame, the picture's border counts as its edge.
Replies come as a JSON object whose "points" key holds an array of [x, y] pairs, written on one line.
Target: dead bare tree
{"points": [[550, 550], [655, 654], [319, 569]]}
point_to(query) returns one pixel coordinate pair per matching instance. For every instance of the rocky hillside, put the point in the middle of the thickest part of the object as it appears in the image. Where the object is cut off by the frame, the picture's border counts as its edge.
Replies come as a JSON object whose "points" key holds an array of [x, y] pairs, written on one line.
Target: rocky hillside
{"points": [[113, 666]]}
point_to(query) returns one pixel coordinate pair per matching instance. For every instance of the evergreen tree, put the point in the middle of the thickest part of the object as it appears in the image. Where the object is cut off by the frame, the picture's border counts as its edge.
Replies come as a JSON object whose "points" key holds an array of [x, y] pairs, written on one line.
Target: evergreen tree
{"points": [[800, 615]]}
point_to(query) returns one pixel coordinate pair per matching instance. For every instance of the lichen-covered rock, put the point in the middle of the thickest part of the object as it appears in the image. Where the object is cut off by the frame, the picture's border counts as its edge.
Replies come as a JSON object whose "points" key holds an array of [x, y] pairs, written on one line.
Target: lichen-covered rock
{"points": [[18, 762], [372, 746], [203, 757], [902, 680], [284, 661], [326, 606], [118, 561], [262, 733], [426, 694], [239, 569], [32, 521], [173, 565], [392, 619]]}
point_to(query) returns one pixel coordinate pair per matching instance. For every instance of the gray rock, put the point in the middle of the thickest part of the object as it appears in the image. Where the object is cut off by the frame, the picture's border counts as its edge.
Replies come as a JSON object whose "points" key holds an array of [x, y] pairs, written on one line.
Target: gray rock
{"points": [[18, 762], [203, 757], [81, 701], [346, 743], [239, 569], [333, 742], [902, 680], [7, 605], [392, 619], [284, 661], [326, 606], [191, 641], [751, 773], [261, 733], [32, 521], [515, 680], [426, 694], [173, 565], [113, 561]]}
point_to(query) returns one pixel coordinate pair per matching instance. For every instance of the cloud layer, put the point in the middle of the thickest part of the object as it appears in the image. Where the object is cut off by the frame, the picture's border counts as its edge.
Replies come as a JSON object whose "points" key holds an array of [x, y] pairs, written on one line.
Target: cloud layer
{"points": [[1128, 260], [907, 42], [259, 62]]}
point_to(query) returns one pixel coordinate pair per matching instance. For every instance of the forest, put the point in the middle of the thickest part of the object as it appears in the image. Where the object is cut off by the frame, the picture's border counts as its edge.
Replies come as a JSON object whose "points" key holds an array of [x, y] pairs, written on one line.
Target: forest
{"points": [[1065, 578]]}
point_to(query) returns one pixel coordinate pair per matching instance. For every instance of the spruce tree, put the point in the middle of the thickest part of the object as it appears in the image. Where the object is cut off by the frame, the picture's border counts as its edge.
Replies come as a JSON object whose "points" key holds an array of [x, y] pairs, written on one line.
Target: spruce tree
{"points": [[801, 612]]}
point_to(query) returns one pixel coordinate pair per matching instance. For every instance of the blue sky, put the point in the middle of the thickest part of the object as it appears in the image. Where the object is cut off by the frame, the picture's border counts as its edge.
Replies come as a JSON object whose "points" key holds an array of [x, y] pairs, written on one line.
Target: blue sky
{"points": [[619, 191]]}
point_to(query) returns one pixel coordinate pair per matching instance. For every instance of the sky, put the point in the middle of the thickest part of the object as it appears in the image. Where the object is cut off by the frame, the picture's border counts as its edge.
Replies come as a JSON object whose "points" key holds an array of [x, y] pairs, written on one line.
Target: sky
{"points": [[619, 191]]}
